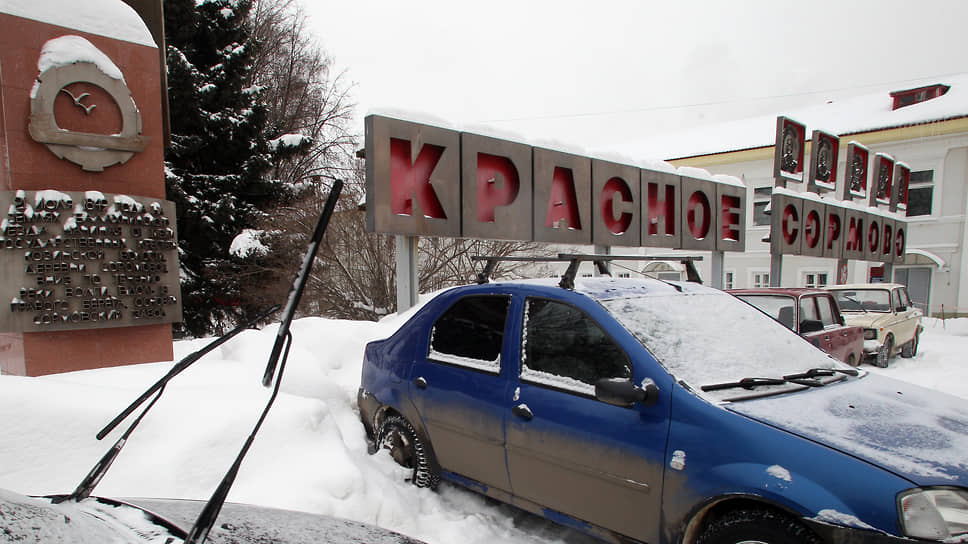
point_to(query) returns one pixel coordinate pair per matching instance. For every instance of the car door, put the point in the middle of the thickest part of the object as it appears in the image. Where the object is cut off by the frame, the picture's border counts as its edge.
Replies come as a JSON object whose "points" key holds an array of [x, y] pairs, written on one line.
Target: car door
{"points": [[835, 334], [459, 390], [907, 315], [568, 451], [808, 312]]}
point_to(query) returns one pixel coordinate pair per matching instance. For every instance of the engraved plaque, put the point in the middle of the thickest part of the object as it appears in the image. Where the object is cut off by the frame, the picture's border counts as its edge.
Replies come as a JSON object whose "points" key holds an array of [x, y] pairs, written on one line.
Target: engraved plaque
{"points": [[83, 260]]}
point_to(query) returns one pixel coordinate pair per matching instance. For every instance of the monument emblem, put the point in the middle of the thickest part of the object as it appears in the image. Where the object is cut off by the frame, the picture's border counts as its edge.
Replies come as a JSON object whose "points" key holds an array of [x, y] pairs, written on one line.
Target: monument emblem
{"points": [[92, 151]]}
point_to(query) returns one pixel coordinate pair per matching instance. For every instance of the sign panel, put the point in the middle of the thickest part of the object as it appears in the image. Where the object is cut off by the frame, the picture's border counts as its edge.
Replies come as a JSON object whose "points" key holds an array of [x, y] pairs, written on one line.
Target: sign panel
{"points": [[902, 178], [731, 217], [823, 161], [616, 199], [497, 188], [562, 197], [789, 146], [662, 209], [786, 234], [84, 260], [883, 177], [425, 180], [421, 168], [833, 237], [814, 214], [857, 174]]}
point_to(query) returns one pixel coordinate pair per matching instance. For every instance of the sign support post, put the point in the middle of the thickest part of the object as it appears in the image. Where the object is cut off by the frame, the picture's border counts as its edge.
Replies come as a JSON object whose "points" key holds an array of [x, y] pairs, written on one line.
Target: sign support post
{"points": [[407, 281]]}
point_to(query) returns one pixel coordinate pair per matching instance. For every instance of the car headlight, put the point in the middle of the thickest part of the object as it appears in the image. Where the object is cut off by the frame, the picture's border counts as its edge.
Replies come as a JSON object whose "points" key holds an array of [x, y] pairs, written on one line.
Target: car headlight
{"points": [[870, 334], [934, 514]]}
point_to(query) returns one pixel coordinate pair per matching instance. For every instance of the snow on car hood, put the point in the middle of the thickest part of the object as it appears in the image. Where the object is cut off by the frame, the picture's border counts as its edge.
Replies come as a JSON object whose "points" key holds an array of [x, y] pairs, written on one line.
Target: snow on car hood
{"points": [[868, 320], [917, 433]]}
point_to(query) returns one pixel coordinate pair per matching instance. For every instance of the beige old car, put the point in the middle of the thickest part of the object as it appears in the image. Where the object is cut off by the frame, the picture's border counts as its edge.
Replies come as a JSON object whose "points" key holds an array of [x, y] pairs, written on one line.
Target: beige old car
{"points": [[889, 318]]}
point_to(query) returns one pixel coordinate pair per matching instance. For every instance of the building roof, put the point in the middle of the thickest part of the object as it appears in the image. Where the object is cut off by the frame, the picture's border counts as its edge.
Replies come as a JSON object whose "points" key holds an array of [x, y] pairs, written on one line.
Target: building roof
{"points": [[866, 112]]}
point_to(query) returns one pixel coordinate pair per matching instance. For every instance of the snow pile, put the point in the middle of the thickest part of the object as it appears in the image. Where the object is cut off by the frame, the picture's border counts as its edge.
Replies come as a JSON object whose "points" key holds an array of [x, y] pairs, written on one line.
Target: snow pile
{"points": [[248, 244], [109, 18], [311, 454]]}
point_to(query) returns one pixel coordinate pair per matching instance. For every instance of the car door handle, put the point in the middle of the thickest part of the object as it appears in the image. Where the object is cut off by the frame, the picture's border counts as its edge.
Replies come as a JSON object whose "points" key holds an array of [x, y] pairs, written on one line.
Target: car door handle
{"points": [[523, 412], [420, 382]]}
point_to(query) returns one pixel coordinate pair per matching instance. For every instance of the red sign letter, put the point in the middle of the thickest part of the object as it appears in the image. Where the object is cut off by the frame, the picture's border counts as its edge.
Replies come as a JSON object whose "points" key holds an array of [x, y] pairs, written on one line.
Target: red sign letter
{"points": [[729, 217], [563, 202], [616, 187], [811, 229], [698, 227], [409, 178], [491, 194], [666, 210]]}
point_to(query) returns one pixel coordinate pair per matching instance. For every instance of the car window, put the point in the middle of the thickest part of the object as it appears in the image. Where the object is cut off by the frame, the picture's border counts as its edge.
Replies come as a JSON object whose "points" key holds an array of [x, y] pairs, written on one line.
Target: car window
{"points": [[863, 300], [779, 307], [565, 348], [808, 309], [896, 299], [906, 298], [471, 332], [825, 307]]}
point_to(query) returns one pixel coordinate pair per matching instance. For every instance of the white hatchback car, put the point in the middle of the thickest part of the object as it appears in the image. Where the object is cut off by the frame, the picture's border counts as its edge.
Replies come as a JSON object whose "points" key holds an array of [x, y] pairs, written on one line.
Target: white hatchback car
{"points": [[889, 318]]}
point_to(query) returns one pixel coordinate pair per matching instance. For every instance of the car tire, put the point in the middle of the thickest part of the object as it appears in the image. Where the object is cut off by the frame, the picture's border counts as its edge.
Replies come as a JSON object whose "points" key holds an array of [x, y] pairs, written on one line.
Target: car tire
{"points": [[852, 360], [756, 527], [911, 348], [889, 346], [408, 450]]}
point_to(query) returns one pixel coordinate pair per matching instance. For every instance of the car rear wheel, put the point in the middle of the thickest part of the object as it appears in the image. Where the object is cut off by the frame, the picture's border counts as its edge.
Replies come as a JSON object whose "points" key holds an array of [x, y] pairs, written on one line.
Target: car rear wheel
{"points": [[756, 527], [408, 450], [911, 348], [889, 346], [852, 360]]}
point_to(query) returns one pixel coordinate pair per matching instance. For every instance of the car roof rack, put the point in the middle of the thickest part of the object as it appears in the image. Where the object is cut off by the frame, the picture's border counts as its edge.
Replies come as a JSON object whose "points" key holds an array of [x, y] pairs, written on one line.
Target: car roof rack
{"points": [[575, 259]]}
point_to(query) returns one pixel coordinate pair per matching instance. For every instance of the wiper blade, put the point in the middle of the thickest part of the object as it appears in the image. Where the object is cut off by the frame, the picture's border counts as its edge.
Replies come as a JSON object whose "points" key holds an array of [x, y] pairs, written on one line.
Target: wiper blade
{"points": [[817, 372], [94, 477], [745, 383]]}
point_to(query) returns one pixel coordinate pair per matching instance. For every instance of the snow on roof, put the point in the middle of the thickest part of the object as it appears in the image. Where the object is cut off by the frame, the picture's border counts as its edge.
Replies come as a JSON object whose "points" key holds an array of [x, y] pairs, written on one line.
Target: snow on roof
{"points": [[108, 18], [861, 113]]}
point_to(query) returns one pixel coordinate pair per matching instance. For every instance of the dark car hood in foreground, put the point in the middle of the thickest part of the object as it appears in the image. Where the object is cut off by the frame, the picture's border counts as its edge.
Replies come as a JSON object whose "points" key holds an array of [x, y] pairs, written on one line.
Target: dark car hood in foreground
{"points": [[242, 523], [917, 433], [105, 521]]}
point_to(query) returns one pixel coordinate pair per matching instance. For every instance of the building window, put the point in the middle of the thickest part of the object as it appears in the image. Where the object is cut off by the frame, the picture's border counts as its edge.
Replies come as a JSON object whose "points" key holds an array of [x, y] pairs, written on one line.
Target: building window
{"points": [[920, 193], [729, 280], [761, 279], [815, 280], [761, 201], [624, 275]]}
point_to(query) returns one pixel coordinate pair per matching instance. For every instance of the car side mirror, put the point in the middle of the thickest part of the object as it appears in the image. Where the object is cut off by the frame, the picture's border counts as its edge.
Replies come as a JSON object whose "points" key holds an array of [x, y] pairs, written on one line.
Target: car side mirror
{"points": [[843, 321], [808, 326], [624, 393]]}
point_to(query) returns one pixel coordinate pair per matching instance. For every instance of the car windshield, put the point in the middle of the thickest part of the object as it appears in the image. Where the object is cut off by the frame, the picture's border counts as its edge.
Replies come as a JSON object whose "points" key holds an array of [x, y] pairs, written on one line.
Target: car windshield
{"points": [[712, 338], [863, 300], [779, 307]]}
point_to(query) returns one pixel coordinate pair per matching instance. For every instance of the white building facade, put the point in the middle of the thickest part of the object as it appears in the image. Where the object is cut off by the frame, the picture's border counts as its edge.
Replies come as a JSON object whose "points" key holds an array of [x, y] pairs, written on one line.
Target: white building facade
{"points": [[925, 127]]}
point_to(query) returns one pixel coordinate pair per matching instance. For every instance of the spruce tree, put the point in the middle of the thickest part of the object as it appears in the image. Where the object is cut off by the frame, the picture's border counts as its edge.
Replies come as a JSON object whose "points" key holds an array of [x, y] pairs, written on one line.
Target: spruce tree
{"points": [[216, 167]]}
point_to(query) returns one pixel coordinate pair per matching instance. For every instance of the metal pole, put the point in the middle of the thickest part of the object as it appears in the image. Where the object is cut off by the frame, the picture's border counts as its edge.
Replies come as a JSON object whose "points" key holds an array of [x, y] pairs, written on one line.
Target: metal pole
{"points": [[718, 272], [407, 280]]}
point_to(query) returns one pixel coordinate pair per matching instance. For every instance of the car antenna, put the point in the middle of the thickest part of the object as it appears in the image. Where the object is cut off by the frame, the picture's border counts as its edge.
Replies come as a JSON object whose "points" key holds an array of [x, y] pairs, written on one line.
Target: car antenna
{"points": [[206, 519], [94, 477]]}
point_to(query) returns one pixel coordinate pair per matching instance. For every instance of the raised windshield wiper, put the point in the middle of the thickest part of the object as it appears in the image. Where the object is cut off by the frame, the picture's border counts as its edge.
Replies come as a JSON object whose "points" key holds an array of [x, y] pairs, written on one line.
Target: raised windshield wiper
{"points": [[93, 477], [278, 356], [745, 383]]}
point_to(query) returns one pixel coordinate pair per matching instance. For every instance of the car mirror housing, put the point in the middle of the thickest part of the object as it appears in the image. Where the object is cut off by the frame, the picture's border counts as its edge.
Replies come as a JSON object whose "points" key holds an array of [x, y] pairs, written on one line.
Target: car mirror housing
{"points": [[622, 392]]}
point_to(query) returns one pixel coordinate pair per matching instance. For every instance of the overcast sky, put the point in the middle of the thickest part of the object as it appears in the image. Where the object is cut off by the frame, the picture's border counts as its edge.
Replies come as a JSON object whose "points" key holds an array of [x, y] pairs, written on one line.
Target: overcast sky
{"points": [[596, 73]]}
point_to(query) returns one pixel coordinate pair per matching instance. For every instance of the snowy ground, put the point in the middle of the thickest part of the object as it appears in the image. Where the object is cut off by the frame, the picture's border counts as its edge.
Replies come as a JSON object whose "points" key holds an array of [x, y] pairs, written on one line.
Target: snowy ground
{"points": [[311, 453]]}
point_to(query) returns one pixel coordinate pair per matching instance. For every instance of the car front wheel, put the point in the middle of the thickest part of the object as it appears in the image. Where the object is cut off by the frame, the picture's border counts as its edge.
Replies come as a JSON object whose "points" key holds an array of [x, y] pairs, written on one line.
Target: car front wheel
{"points": [[911, 348], [408, 450], [756, 527]]}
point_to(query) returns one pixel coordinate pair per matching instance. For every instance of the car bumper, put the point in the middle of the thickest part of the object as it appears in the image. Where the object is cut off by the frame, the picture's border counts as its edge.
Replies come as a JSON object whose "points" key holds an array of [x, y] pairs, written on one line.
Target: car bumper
{"points": [[837, 534]]}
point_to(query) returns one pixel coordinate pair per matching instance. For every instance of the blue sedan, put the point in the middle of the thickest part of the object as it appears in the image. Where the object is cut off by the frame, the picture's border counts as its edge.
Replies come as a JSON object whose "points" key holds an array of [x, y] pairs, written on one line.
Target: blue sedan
{"points": [[662, 412]]}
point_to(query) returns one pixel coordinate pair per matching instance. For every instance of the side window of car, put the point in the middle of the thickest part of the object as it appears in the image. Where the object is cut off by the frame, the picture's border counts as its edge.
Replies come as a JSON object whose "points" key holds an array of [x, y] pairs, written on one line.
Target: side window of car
{"points": [[471, 332], [896, 300], [808, 310], [563, 347], [825, 306]]}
